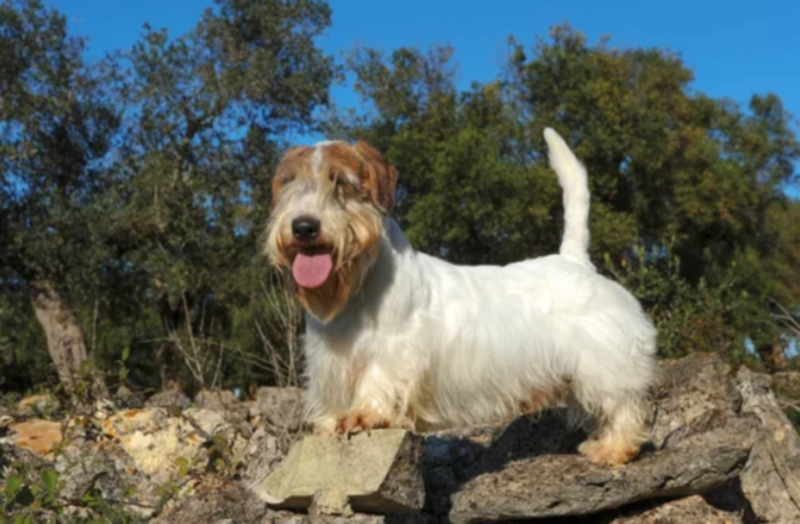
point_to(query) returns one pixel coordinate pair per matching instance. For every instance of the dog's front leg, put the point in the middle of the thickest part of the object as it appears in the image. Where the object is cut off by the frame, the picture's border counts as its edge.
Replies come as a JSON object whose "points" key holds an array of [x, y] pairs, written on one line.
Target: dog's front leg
{"points": [[374, 406]]}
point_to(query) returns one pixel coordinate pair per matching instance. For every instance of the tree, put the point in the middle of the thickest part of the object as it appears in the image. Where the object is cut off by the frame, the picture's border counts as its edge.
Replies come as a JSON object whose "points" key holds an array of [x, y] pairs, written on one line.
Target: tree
{"points": [[673, 173], [56, 125], [206, 110]]}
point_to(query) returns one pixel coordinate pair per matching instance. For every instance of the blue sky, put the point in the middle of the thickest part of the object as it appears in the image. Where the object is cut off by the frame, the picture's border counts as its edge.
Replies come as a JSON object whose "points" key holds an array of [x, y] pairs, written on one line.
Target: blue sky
{"points": [[735, 48]]}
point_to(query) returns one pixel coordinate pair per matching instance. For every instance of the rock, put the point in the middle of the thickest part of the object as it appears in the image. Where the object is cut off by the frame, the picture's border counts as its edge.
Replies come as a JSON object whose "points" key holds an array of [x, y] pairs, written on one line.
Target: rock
{"points": [[771, 479], [686, 510], [43, 405], [161, 444], [225, 403], [260, 458], [126, 399], [229, 503], [688, 388], [280, 409], [452, 457], [699, 438], [376, 472], [110, 471], [172, 399], [37, 435], [554, 486]]}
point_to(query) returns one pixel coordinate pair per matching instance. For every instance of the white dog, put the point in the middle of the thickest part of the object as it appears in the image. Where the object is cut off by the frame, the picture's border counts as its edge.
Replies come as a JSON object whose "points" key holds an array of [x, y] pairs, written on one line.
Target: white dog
{"points": [[399, 338]]}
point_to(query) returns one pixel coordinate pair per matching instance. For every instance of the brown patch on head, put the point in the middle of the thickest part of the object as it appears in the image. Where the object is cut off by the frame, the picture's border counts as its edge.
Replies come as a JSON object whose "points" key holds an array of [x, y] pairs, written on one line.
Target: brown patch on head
{"points": [[378, 179], [296, 163]]}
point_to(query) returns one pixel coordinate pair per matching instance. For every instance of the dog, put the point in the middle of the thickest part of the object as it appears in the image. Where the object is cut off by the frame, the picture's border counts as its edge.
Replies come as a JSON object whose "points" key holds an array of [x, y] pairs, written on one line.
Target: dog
{"points": [[398, 338]]}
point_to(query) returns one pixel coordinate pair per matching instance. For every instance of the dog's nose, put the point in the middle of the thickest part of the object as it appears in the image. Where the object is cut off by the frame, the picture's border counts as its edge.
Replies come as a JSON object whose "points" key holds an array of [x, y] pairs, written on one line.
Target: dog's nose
{"points": [[305, 229]]}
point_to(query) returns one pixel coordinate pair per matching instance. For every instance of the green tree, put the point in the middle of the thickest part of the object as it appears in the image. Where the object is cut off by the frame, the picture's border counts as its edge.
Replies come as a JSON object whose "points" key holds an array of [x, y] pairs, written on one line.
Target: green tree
{"points": [[673, 173], [56, 125], [201, 137]]}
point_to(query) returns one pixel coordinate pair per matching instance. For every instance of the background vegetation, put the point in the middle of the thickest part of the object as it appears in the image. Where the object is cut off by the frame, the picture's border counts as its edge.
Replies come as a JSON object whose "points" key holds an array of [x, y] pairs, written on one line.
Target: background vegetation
{"points": [[134, 189]]}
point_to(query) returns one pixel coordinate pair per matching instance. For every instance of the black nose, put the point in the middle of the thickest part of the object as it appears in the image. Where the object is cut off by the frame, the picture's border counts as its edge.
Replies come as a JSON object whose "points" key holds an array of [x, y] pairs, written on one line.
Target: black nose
{"points": [[305, 229]]}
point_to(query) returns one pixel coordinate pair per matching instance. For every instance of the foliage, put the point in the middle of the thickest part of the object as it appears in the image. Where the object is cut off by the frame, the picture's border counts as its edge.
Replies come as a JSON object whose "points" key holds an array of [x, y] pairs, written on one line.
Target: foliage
{"points": [[138, 185], [664, 163]]}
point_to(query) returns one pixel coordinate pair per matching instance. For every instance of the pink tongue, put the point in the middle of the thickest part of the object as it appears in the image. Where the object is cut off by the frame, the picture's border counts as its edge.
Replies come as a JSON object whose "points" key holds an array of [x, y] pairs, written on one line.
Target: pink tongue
{"points": [[312, 271]]}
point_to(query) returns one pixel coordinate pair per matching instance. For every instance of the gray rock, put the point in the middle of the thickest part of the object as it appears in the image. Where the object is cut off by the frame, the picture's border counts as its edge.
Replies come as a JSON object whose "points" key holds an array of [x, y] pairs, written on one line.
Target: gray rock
{"points": [[260, 458], [110, 471], [554, 486], [686, 510], [688, 388], [377, 472], [280, 409], [771, 479], [171, 399], [231, 502], [225, 403]]}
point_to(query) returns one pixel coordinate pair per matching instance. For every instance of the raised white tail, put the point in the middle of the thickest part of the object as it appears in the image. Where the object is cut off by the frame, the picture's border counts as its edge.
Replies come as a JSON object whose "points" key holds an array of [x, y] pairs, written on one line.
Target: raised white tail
{"points": [[573, 180]]}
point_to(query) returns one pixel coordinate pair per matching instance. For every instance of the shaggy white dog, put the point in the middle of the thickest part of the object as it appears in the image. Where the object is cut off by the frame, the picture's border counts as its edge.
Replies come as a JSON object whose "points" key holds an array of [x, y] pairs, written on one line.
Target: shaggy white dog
{"points": [[399, 338]]}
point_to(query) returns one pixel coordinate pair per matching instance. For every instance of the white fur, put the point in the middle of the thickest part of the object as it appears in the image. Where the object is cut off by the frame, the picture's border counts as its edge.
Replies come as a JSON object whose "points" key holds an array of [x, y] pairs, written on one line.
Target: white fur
{"points": [[464, 345]]}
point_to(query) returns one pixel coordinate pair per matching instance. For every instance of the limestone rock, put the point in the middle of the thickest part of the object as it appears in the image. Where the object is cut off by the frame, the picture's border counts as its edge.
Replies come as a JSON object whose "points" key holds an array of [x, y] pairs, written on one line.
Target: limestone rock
{"points": [[280, 409], [225, 403], [771, 479], [230, 503], [376, 472], [160, 443], [43, 405], [682, 511], [109, 470], [260, 458], [688, 388], [37, 435], [170, 399], [560, 485]]}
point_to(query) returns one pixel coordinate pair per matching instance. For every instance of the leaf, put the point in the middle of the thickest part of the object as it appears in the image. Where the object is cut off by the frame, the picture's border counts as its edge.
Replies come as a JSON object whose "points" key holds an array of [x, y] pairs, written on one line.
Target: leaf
{"points": [[13, 485], [126, 353], [50, 479]]}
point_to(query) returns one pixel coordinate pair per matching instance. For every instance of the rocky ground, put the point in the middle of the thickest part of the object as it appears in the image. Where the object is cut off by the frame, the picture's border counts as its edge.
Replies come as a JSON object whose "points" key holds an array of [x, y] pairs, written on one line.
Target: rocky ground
{"points": [[722, 451]]}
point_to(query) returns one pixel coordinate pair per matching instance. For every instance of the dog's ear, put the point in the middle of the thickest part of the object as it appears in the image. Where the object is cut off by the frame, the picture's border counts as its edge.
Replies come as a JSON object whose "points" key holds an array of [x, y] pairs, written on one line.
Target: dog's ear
{"points": [[288, 168], [378, 179]]}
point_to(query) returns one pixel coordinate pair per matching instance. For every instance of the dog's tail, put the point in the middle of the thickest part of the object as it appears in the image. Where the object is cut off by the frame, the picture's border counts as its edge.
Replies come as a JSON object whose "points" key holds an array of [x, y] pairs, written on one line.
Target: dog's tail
{"points": [[573, 180]]}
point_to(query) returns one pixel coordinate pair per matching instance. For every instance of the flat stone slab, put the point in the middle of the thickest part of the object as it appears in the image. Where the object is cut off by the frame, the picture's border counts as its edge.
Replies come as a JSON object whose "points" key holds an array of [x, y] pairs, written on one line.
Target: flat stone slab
{"points": [[378, 471], [568, 485]]}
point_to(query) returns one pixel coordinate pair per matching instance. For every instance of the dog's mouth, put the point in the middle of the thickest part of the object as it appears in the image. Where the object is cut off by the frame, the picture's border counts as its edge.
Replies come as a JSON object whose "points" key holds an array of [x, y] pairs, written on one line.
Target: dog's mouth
{"points": [[312, 266]]}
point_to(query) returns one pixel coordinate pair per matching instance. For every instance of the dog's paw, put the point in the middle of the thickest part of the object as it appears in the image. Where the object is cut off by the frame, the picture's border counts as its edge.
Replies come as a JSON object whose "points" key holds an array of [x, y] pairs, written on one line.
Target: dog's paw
{"points": [[361, 420], [607, 452]]}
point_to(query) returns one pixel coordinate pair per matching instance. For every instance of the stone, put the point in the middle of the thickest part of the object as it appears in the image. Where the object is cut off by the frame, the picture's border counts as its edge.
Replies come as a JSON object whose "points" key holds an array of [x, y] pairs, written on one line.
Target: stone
{"points": [[109, 470], [229, 503], [125, 398], [532, 470], [37, 435], [43, 405], [260, 458], [689, 388], [771, 478], [682, 511], [171, 399], [225, 403], [280, 409], [160, 444], [376, 472]]}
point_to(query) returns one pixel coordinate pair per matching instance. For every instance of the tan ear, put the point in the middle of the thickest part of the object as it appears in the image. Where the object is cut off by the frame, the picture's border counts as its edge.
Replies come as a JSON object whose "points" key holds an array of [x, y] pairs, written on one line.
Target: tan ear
{"points": [[378, 179]]}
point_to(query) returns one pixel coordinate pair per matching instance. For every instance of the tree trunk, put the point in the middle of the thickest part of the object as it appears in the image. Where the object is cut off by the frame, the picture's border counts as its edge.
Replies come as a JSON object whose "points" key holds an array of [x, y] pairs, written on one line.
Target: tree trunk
{"points": [[65, 341]]}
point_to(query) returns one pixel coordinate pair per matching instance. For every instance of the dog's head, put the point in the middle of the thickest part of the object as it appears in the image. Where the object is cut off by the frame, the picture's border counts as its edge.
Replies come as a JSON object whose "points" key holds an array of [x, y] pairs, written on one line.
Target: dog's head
{"points": [[325, 224]]}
